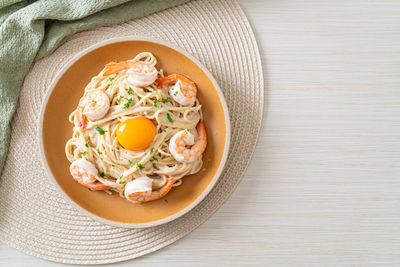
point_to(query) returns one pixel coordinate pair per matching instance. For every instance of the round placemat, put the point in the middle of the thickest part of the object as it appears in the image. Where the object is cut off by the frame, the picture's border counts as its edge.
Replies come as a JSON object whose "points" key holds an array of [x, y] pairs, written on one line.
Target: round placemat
{"points": [[34, 217]]}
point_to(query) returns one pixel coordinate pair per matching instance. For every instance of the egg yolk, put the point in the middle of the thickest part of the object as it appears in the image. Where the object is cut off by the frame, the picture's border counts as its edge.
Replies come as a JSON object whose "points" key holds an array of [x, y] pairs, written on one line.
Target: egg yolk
{"points": [[136, 134]]}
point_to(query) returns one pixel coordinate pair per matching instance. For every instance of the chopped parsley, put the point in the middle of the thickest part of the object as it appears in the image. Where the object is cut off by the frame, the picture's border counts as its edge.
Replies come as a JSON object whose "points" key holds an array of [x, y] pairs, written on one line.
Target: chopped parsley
{"points": [[130, 162], [86, 158], [99, 152], [169, 117], [123, 182], [102, 174], [130, 91], [117, 148], [140, 166], [87, 144], [111, 79], [154, 158], [112, 165], [175, 93], [152, 150], [82, 153], [164, 100], [120, 98], [109, 177], [127, 104], [101, 131], [166, 200]]}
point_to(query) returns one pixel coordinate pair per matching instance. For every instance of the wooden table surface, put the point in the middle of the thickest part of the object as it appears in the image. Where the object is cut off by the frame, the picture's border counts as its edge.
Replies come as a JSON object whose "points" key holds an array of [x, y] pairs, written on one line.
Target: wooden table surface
{"points": [[323, 187]]}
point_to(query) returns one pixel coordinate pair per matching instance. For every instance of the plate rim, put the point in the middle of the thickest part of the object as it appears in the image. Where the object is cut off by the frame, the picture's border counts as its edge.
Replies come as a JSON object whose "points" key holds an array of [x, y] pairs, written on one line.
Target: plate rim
{"points": [[209, 187]]}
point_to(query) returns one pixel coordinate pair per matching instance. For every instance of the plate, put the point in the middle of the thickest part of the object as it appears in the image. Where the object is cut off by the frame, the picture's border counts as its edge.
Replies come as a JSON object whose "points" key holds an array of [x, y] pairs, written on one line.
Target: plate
{"points": [[55, 129]]}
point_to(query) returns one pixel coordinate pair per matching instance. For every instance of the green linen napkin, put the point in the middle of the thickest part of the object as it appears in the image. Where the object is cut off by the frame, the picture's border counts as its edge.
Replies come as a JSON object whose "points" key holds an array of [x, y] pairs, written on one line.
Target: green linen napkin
{"points": [[30, 30]]}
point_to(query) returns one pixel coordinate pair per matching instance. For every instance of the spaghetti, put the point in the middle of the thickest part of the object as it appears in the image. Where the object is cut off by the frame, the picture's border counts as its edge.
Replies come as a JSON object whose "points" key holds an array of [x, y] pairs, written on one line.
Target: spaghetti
{"points": [[95, 140]]}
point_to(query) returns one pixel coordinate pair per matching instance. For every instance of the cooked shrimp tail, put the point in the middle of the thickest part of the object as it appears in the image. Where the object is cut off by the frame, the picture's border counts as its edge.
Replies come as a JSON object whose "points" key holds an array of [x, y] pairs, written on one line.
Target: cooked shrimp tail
{"points": [[81, 118], [85, 173], [183, 90], [92, 106], [178, 145], [201, 143], [139, 73], [115, 67], [139, 190]]}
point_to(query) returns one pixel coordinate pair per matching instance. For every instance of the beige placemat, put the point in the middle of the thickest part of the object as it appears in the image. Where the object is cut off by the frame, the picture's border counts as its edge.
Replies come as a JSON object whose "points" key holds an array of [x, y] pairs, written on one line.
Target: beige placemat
{"points": [[34, 218]]}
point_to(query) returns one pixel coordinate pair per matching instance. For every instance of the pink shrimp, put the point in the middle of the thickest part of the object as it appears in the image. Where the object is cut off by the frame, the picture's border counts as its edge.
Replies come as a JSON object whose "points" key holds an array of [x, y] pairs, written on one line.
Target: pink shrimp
{"points": [[179, 142], [85, 173], [92, 106], [139, 74], [183, 90], [140, 190]]}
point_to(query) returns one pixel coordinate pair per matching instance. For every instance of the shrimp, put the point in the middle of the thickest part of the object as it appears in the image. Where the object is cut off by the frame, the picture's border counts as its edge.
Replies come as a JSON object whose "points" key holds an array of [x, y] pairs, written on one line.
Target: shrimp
{"points": [[178, 143], [140, 190], [184, 90], [139, 74], [92, 106], [85, 173]]}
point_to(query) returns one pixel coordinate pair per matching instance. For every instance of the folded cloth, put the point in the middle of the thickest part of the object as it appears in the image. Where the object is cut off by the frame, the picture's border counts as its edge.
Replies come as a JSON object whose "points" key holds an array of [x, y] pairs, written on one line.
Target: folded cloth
{"points": [[30, 30]]}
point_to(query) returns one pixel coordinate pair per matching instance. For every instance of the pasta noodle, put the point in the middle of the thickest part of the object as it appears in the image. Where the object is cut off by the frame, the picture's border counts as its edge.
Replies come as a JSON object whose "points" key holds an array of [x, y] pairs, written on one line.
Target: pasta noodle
{"points": [[98, 144]]}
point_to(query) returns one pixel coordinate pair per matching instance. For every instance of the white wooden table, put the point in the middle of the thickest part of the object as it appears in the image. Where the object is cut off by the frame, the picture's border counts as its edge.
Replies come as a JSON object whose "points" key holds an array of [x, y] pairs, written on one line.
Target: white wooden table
{"points": [[323, 187]]}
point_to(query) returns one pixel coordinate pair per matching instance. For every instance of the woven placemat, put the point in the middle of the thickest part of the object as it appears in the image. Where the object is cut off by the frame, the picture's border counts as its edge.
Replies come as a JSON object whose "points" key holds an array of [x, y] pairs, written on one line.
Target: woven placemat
{"points": [[34, 218]]}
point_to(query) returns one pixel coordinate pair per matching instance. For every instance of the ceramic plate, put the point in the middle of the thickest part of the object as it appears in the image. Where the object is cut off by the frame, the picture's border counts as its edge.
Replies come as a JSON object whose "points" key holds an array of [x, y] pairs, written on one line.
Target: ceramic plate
{"points": [[55, 129]]}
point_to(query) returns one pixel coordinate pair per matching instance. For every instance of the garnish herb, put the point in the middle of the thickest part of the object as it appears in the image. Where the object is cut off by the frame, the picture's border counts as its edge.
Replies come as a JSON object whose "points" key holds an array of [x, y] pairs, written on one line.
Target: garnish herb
{"points": [[152, 150], [82, 153], [164, 100], [120, 98], [112, 165], [169, 117], [127, 104], [130, 91], [111, 79], [102, 174], [101, 131], [87, 144], [130, 162], [166, 200], [175, 93], [140, 166], [153, 158], [86, 158], [117, 148], [123, 182], [99, 152]]}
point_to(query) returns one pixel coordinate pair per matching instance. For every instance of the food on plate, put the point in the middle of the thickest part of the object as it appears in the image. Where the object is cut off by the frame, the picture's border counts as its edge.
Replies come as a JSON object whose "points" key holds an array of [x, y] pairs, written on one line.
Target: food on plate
{"points": [[136, 132]]}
